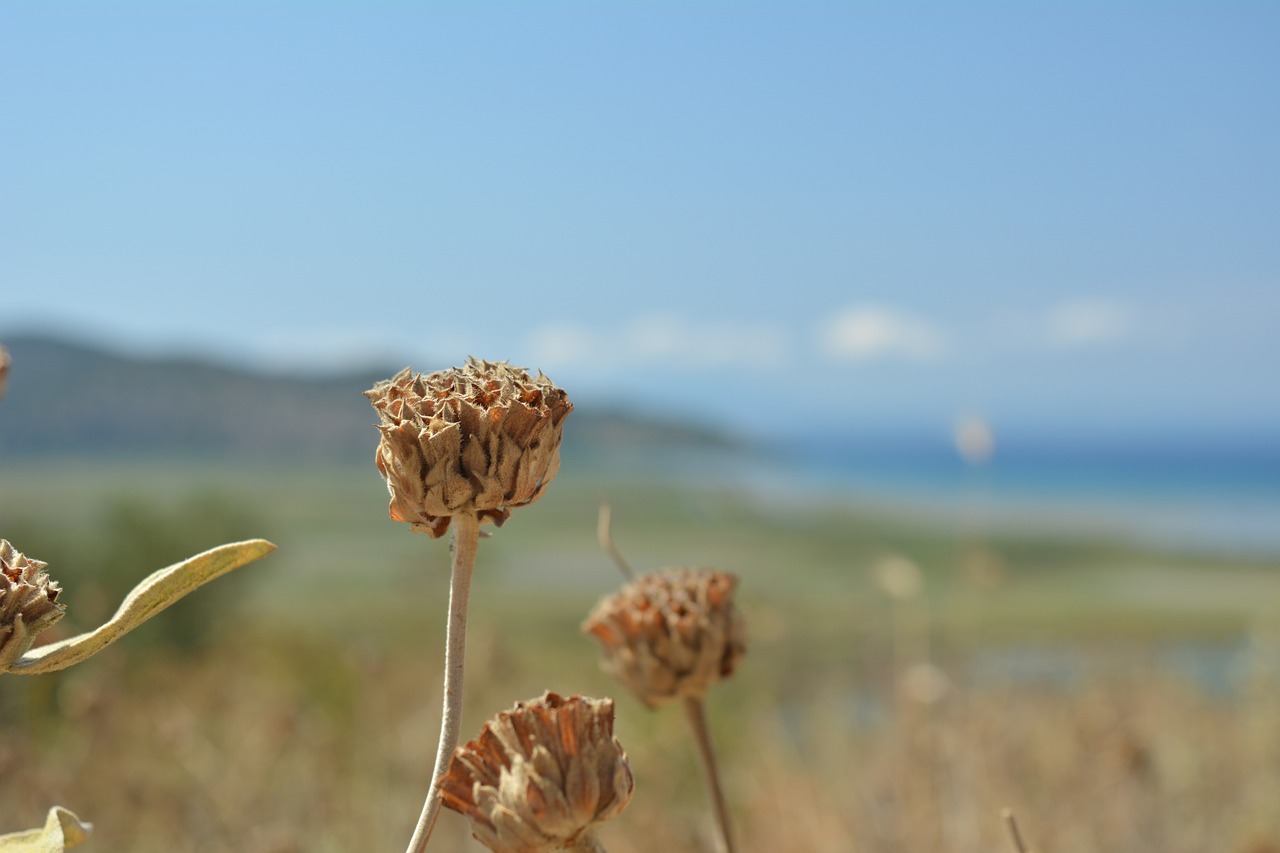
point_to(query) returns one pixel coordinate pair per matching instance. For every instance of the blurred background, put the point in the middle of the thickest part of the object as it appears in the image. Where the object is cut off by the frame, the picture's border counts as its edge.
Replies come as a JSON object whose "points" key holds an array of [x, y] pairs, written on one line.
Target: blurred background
{"points": [[945, 326]]}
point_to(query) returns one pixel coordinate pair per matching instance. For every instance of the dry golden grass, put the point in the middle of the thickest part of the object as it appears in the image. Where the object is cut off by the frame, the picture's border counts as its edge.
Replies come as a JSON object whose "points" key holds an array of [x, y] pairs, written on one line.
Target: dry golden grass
{"points": [[306, 744], [307, 720]]}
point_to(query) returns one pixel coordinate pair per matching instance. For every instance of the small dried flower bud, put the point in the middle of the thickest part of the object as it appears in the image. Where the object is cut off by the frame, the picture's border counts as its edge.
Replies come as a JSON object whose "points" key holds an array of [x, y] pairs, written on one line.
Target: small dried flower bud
{"points": [[28, 603], [481, 438], [5, 361], [542, 776], [670, 634]]}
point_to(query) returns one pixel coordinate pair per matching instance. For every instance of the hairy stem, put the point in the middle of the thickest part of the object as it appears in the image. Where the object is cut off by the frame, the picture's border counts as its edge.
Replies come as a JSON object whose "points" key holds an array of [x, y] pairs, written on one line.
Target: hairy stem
{"points": [[466, 536], [696, 710]]}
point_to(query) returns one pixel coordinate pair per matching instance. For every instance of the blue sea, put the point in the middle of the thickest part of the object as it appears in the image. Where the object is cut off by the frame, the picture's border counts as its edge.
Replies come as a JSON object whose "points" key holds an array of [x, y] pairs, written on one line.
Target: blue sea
{"points": [[1205, 494], [1212, 495]]}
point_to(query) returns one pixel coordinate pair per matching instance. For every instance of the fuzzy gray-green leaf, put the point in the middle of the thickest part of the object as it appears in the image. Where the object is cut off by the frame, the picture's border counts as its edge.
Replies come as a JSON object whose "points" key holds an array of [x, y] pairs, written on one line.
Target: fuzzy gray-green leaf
{"points": [[148, 598], [61, 831]]}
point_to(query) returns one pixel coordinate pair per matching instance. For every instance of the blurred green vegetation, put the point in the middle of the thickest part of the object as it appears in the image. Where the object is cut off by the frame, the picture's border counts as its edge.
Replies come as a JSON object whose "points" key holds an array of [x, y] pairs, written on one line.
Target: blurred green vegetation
{"points": [[103, 525], [346, 574]]}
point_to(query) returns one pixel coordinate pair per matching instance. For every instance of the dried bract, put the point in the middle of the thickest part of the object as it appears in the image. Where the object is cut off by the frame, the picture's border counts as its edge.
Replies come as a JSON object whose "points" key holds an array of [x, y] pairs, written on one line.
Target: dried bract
{"points": [[670, 634], [482, 438], [28, 603], [542, 776]]}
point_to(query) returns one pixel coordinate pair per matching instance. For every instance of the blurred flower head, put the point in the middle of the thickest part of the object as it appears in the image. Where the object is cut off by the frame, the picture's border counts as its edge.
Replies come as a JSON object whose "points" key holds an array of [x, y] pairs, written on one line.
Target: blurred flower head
{"points": [[899, 577], [482, 438], [925, 683], [5, 361], [542, 776], [670, 634]]}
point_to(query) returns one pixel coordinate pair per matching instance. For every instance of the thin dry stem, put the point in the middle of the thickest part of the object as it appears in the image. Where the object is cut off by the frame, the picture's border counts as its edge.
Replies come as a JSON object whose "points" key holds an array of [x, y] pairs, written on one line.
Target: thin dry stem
{"points": [[1011, 826], [696, 711], [466, 536], [606, 541]]}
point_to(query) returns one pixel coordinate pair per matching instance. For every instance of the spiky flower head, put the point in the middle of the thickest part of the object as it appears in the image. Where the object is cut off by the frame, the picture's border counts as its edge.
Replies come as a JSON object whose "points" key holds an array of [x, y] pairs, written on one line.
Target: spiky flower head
{"points": [[482, 438], [542, 776], [670, 634], [28, 603]]}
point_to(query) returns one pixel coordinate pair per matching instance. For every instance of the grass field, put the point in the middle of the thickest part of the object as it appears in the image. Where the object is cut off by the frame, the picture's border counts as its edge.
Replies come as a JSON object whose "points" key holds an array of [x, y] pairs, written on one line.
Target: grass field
{"points": [[1117, 698]]}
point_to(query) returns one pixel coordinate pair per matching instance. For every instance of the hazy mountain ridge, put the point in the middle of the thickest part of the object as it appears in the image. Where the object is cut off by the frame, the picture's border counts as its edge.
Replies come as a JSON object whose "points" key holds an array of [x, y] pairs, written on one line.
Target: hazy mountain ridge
{"points": [[70, 397]]}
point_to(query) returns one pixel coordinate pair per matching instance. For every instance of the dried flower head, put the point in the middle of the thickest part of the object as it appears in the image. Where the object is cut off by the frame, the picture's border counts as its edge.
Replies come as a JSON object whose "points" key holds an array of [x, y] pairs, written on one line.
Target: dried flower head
{"points": [[28, 603], [542, 776], [670, 634], [481, 438], [5, 361]]}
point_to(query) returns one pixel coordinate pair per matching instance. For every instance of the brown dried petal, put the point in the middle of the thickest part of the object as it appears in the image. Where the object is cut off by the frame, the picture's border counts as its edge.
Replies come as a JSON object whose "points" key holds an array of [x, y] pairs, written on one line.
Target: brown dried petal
{"points": [[670, 634], [541, 776], [28, 603], [481, 438]]}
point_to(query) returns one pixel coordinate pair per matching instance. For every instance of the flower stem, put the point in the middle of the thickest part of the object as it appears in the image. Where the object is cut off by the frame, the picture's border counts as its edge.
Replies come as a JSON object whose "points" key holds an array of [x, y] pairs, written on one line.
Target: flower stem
{"points": [[696, 710], [466, 536], [1011, 826], [606, 541]]}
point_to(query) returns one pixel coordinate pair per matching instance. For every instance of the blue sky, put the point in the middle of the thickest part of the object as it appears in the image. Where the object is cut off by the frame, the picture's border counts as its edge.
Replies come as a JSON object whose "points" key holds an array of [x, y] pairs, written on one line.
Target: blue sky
{"points": [[1063, 216]]}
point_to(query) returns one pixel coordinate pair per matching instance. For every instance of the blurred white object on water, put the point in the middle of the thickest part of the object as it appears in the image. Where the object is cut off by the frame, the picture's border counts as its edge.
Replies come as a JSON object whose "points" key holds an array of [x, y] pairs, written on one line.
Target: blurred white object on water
{"points": [[975, 440]]}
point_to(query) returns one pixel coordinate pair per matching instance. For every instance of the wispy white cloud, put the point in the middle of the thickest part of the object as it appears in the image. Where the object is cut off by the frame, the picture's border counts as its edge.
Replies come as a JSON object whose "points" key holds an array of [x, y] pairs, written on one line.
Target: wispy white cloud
{"points": [[866, 333], [564, 343], [1073, 324], [869, 332], [325, 349], [661, 340], [1084, 322]]}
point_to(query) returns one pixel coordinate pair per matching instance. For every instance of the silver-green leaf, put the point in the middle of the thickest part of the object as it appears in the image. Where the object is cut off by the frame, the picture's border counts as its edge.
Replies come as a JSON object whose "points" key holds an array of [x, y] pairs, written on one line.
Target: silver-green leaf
{"points": [[148, 598], [61, 831]]}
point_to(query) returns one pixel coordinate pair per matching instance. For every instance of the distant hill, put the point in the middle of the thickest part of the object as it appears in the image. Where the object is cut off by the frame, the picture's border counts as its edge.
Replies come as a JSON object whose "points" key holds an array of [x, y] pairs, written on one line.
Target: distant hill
{"points": [[66, 397]]}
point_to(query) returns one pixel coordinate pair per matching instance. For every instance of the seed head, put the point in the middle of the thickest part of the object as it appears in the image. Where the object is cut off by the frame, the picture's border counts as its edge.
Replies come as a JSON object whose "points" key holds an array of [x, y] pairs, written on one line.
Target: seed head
{"points": [[28, 603], [670, 634], [480, 438], [542, 776]]}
